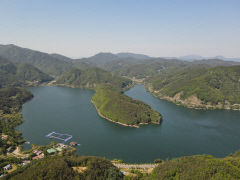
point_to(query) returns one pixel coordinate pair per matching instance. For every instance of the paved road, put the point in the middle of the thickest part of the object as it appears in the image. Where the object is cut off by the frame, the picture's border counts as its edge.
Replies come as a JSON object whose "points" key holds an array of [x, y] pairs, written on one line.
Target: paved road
{"points": [[141, 166]]}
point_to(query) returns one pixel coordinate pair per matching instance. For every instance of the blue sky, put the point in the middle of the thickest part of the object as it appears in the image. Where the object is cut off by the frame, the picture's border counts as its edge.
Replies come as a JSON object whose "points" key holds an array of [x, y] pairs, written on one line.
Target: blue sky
{"points": [[155, 27]]}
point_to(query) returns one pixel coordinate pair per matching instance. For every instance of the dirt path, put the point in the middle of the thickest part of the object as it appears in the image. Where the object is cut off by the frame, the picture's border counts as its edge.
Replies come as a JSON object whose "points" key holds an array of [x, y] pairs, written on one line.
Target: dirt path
{"points": [[17, 152]]}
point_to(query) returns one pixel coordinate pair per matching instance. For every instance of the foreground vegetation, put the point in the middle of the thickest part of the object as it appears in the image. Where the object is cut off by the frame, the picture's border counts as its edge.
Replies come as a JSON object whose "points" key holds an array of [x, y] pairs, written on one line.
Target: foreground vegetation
{"points": [[217, 87], [84, 167], [68, 168], [199, 167], [117, 107]]}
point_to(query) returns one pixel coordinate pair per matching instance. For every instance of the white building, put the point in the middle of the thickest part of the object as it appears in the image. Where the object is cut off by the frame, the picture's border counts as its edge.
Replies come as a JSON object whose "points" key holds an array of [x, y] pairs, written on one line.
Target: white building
{"points": [[7, 167]]}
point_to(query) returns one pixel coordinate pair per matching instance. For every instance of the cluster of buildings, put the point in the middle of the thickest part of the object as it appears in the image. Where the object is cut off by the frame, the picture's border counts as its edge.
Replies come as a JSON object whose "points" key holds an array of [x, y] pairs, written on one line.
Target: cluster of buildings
{"points": [[38, 154], [57, 148]]}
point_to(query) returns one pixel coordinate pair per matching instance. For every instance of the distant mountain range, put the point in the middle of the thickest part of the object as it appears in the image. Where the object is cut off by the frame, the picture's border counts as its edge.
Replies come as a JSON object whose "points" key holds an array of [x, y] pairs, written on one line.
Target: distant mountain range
{"points": [[125, 64], [133, 55], [197, 57]]}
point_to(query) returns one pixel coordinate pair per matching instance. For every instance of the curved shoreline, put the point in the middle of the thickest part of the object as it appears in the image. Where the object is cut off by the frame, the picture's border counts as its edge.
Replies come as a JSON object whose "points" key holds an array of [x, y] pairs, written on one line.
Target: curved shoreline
{"points": [[112, 120], [191, 106], [101, 115]]}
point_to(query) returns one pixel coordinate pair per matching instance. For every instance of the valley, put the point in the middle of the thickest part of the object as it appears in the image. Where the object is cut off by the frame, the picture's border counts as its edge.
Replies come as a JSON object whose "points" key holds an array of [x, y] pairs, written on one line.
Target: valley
{"points": [[104, 106]]}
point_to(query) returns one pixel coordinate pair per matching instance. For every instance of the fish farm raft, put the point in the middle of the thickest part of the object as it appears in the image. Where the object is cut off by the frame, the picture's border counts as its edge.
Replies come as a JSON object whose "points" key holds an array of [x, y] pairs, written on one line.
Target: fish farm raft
{"points": [[60, 136]]}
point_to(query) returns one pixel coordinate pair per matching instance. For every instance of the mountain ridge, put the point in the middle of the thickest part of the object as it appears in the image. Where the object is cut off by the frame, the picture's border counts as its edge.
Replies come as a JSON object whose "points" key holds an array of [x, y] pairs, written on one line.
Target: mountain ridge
{"points": [[43, 61]]}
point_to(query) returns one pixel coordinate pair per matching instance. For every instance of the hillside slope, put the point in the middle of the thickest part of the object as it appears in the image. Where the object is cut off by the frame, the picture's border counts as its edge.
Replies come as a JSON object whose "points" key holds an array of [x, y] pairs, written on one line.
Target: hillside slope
{"points": [[61, 168], [90, 78], [18, 74], [43, 61], [11, 101], [198, 167], [217, 87]]}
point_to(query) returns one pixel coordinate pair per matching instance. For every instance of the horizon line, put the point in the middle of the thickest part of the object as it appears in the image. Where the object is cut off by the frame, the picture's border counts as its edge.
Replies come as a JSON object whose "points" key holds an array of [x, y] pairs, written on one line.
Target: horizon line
{"points": [[115, 53]]}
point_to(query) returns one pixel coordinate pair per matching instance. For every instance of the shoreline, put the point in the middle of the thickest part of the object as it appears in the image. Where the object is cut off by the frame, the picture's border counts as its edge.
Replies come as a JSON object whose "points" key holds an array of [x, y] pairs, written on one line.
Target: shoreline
{"points": [[101, 115], [190, 106], [162, 97], [112, 120]]}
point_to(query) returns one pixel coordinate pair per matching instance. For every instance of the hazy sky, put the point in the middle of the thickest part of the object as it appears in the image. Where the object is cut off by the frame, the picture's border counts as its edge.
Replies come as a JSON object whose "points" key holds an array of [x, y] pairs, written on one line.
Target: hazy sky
{"points": [[155, 27]]}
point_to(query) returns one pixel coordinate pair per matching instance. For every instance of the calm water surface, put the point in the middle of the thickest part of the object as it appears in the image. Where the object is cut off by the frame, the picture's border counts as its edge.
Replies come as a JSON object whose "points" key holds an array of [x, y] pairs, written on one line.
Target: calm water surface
{"points": [[182, 132]]}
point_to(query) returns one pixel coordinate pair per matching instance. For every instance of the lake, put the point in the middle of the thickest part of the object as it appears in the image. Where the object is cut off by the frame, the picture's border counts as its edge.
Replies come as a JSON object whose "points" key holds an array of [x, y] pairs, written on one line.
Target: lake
{"points": [[182, 132]]}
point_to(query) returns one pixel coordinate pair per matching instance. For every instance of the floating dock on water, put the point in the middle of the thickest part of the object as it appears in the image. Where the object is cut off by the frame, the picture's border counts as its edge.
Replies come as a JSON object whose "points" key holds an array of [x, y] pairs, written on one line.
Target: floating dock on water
{"points": [[60, 136]]}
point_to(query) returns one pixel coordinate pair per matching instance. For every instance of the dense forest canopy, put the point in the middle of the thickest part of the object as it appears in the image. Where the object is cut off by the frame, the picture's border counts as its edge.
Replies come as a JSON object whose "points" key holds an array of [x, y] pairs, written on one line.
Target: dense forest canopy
{"points": [[61, 168], [11, 101], [214, 85], [91, 77], [189, 167], [118, 107], [20, 74], [43, 61]]}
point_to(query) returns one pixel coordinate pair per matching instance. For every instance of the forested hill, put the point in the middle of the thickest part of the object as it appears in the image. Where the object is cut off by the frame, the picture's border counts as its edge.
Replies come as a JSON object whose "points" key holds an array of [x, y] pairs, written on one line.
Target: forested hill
{"points": [[102, 58], [145, 68], [18, 74], [61, 168], [217, 87], [45, 62], [119, 108], [123, 64], [91, 77], [11, 101], [198, 167]]}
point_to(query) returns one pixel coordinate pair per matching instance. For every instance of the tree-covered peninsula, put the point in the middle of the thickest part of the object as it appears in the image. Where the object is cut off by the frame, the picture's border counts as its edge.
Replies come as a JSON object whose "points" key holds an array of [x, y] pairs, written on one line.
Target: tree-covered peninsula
{"points": [[113, 105], [210, 88]]}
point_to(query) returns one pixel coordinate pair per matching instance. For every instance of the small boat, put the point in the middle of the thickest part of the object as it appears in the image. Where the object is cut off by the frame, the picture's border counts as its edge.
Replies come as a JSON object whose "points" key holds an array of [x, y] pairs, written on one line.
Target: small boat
{"points": [[27, 142], [73, 144]]}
